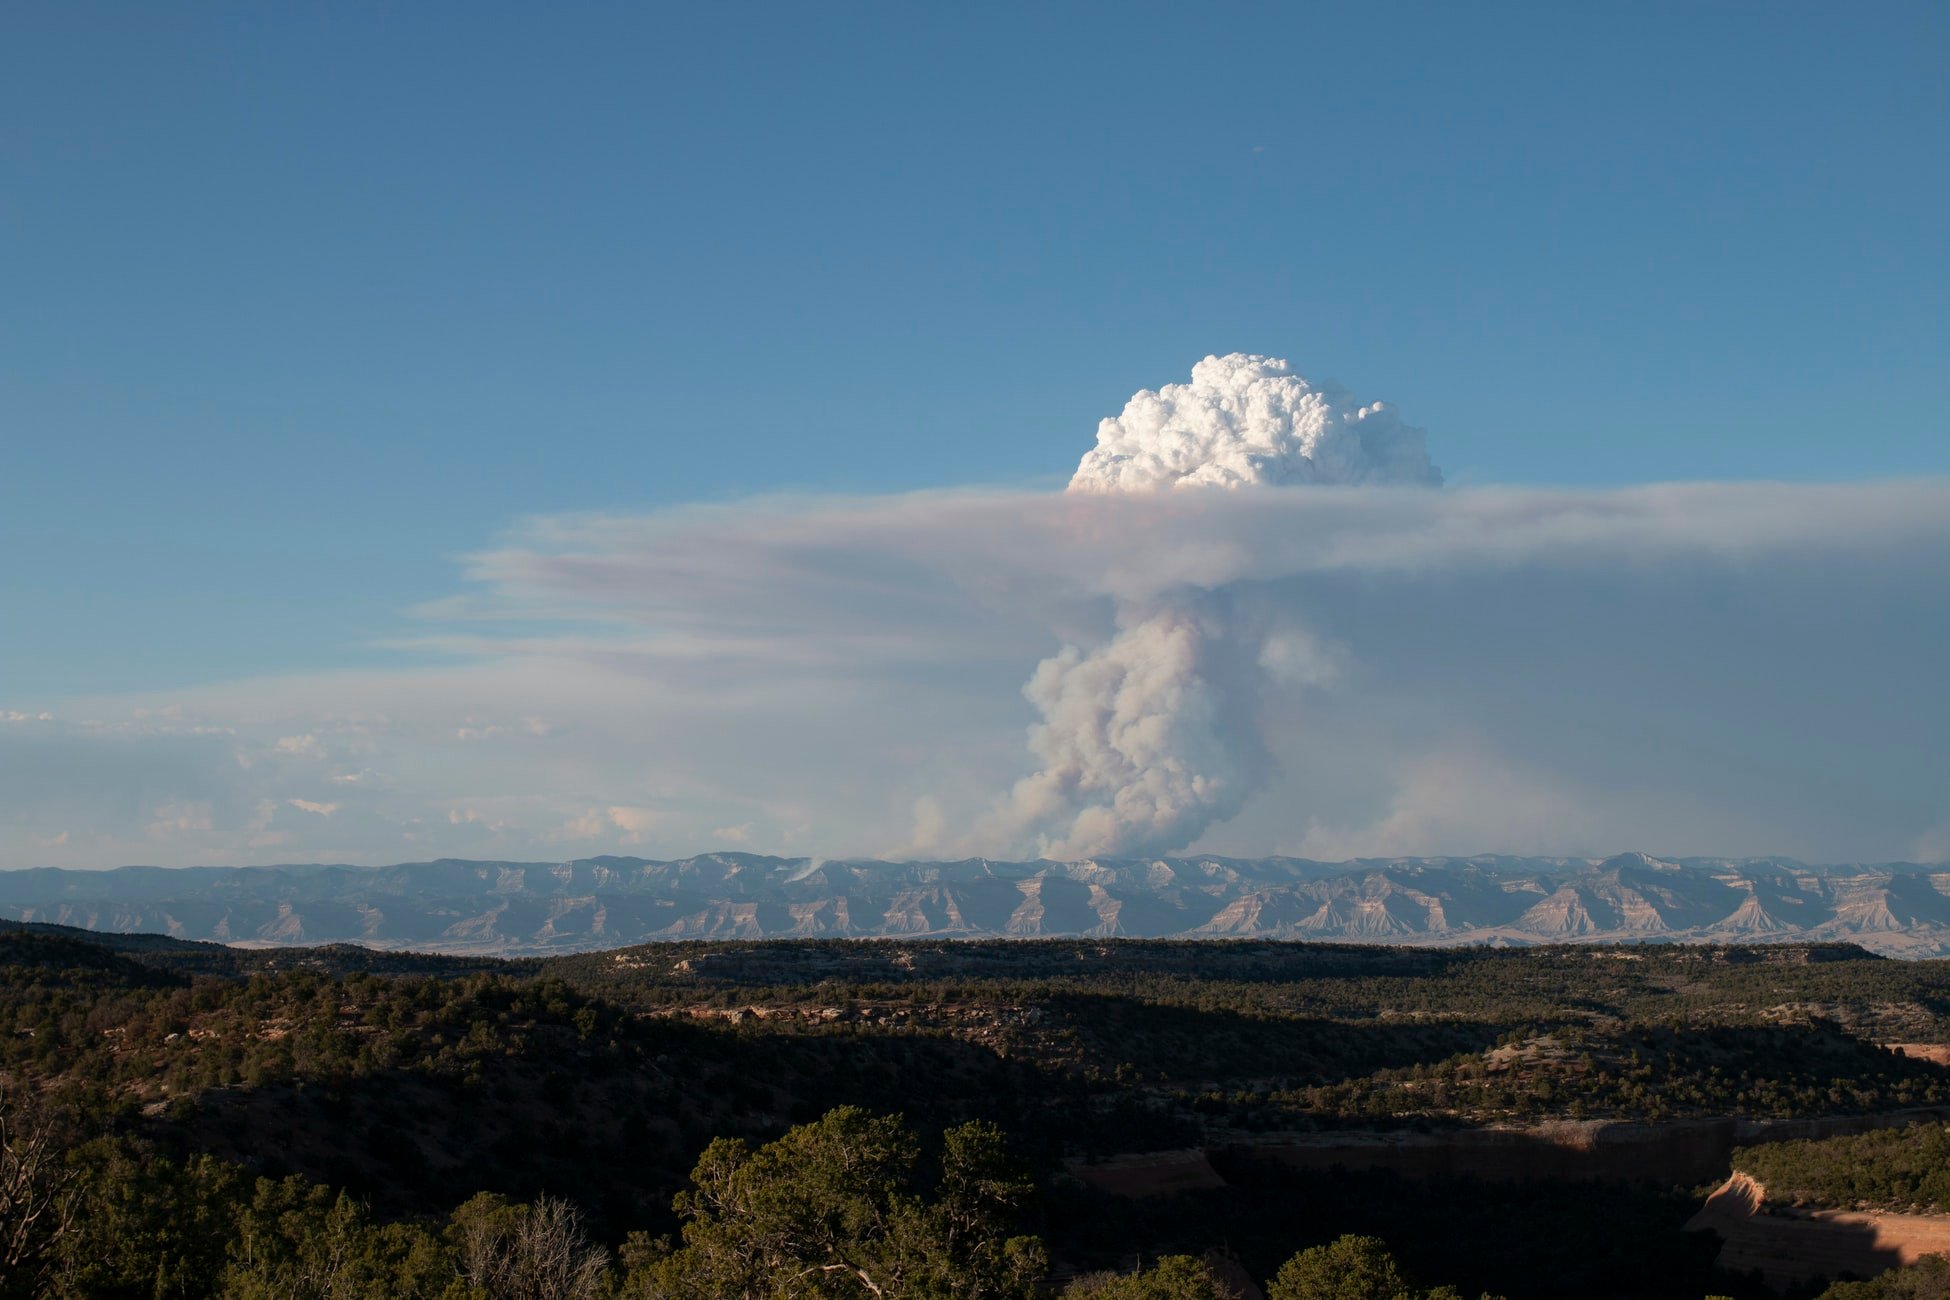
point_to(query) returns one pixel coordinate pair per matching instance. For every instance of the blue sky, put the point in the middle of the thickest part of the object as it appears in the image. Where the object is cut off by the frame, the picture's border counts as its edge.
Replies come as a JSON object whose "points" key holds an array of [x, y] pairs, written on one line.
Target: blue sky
{"points": [[300, 306], [364, 285]]}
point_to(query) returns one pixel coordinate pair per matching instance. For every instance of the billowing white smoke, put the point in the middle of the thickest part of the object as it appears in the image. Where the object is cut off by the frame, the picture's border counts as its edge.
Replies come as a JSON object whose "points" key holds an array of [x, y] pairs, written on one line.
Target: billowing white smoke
{"points": [[1153, 736], [1246, 420], [1139, 741]]}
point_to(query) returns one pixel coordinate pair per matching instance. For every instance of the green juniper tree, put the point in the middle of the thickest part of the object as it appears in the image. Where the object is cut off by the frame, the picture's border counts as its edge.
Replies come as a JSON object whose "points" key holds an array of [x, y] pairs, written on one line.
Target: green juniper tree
{"points": [[839, 1208]]}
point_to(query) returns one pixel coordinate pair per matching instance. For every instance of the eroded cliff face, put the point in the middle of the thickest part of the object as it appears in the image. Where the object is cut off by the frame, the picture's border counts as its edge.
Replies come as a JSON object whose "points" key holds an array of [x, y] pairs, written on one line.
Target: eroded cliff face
{"points": [[514, 908], [1788, 1245]]}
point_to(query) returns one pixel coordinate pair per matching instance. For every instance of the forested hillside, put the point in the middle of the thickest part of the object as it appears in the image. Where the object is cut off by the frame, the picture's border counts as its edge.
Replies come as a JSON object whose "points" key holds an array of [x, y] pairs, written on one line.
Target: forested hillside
{"points": [[1899, 1169], [210, 1120]]}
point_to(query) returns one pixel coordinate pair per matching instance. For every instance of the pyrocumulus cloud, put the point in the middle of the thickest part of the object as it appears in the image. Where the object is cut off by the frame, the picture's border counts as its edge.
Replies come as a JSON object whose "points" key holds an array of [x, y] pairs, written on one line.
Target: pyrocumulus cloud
{"points": [[1150, 738], [1249, 420]]}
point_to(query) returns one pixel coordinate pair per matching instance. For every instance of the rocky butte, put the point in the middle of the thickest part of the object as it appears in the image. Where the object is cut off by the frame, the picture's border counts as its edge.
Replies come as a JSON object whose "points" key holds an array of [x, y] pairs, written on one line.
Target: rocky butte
{"points": [[513, 908]]}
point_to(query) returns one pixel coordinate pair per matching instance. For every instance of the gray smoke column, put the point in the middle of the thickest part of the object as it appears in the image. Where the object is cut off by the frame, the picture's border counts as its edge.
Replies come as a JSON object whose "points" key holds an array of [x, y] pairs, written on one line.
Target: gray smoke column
{"points": [[1249, 420], [1141, 741], [1153, 736]]}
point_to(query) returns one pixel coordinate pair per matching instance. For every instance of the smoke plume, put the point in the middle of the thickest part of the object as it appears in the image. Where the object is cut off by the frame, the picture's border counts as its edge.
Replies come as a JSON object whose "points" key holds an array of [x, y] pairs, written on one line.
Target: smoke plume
{"points": [[1151, 737], [1245, 421], [1142, 740]]}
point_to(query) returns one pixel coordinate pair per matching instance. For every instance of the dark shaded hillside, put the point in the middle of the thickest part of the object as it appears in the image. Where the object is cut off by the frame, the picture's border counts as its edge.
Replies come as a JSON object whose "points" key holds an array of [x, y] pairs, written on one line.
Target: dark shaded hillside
{"points": [[1531, 1241], [414, 1082]]}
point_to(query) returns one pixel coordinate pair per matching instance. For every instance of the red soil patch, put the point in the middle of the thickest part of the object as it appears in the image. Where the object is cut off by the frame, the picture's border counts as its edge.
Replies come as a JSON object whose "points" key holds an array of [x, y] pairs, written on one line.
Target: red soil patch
{"points": [[1935, 1053]]}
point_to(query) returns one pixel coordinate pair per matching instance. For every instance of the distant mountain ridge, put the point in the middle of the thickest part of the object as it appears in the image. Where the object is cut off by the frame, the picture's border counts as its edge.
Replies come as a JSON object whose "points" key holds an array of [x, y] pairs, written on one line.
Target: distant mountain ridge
{"points": [[516, 908]]}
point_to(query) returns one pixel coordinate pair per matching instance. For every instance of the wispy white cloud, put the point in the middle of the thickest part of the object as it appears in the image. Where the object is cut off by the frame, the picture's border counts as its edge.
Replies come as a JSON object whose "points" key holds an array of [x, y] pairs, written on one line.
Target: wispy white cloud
{"points": [[174, 818]]}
